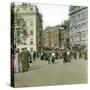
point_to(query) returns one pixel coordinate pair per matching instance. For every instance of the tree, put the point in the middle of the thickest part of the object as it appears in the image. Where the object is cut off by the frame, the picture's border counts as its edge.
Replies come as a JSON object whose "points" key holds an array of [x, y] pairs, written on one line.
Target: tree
{"points": [[21, 29]]}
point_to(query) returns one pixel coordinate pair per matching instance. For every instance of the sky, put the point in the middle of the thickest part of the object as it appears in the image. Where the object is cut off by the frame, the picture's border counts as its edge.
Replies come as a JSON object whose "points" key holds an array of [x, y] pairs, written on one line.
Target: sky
{"points": [[53, 14]]}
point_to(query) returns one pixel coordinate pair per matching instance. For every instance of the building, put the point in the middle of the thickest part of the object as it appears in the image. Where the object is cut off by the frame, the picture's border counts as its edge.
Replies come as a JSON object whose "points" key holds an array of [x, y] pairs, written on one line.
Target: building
{"points": [[33, 25], [66, 34], [53, 37], [78, 20]]}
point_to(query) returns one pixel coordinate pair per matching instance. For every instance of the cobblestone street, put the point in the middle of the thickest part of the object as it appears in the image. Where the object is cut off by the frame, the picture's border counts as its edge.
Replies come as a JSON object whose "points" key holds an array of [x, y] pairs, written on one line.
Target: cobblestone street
{"points": [[43, 74]]}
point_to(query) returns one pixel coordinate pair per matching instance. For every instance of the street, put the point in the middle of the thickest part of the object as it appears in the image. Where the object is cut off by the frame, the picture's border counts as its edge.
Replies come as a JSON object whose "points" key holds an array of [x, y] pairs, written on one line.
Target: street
{"points": [[43, 74]]}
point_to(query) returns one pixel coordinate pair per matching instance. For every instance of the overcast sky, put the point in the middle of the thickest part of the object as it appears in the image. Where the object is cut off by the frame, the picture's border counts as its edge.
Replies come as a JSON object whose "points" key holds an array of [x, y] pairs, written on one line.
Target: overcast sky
{"points": [[53, 14]]}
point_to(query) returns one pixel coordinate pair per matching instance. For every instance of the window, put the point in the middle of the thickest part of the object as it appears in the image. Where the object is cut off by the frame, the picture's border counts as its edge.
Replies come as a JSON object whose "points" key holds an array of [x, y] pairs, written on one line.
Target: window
{"points": [[39, 42], [17, 9], [67, 40], [31, 32], [31, 8], [84, 13], [24, 43], [79, 15], [31, 41]]}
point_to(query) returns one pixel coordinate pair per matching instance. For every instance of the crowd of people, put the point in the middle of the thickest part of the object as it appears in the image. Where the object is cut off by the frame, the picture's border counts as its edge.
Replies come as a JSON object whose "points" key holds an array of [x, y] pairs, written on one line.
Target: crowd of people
{"points": [[24, 58], [65, 54], [51, 56]]}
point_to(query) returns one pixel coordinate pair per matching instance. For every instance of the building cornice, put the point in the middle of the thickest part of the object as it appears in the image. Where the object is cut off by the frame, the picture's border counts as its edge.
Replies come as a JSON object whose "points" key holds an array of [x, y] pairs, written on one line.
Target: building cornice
{"points": [[78, 11]]}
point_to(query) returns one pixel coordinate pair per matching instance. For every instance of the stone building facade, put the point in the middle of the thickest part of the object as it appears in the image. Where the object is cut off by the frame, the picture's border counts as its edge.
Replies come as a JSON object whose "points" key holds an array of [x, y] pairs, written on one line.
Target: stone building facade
{"points": [[66, 34], [53, 37], [78, 20], [34, 27]]}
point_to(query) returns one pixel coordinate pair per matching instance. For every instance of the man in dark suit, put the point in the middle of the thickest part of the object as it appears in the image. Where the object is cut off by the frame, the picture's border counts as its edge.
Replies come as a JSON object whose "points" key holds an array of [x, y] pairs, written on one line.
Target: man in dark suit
{"points": [[65, 56]]}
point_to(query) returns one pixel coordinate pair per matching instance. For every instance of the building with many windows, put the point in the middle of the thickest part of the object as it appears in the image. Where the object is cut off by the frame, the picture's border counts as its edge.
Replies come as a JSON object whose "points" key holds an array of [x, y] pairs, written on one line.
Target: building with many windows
{"points": [[53, 37], [65, 25], [78, 20], [50, 37], [33, 25]]}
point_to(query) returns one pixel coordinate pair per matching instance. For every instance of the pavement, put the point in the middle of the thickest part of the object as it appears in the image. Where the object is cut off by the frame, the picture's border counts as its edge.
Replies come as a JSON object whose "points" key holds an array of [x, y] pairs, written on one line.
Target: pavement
{"points": [[43, 74]]}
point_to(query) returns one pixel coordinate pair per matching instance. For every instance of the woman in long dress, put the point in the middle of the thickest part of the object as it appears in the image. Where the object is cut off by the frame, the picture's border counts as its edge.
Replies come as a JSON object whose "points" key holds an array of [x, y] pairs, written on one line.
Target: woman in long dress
{"points": [[17, 62]]}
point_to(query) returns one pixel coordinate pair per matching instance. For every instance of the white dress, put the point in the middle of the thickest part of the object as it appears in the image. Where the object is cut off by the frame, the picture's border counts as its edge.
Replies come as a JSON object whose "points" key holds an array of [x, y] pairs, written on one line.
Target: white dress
{"points": [[53, 54], [16, 64]]}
